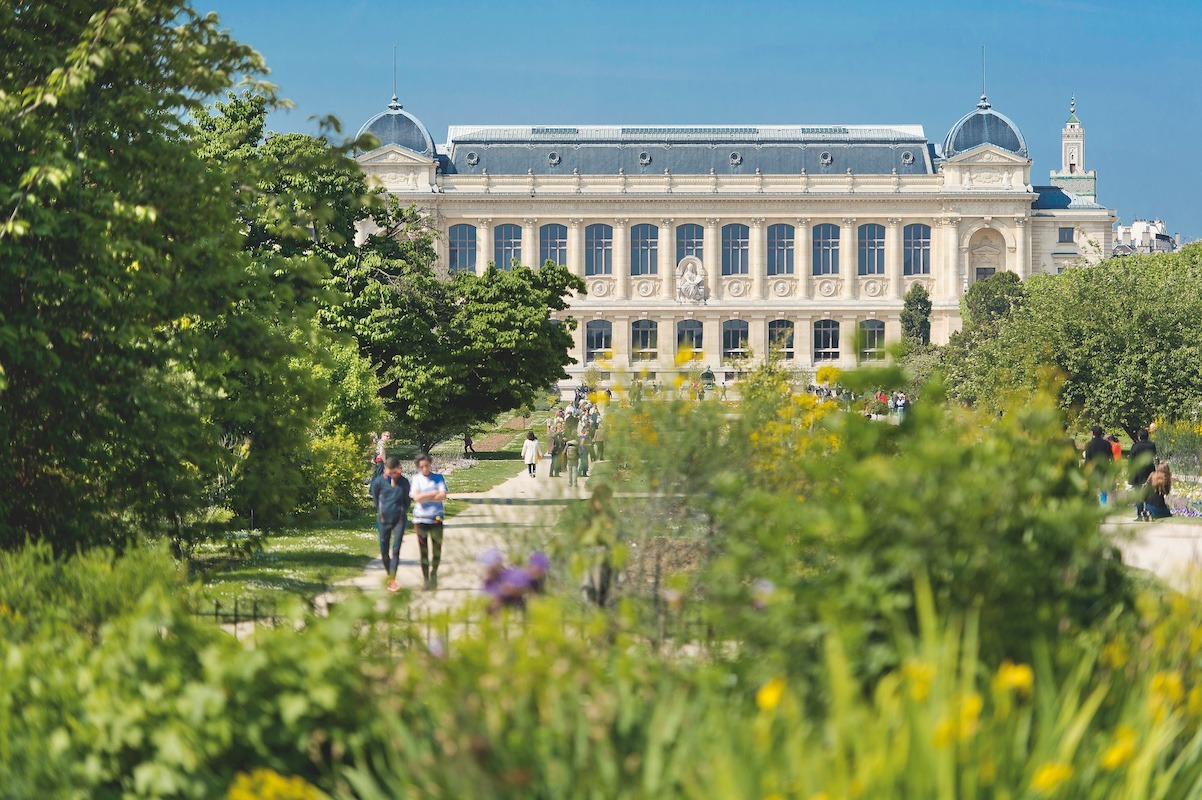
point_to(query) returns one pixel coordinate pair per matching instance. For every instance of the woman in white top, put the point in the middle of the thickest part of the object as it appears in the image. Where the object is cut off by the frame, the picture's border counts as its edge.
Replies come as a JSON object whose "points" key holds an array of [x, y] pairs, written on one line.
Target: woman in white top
{"points": [[531, 452]]}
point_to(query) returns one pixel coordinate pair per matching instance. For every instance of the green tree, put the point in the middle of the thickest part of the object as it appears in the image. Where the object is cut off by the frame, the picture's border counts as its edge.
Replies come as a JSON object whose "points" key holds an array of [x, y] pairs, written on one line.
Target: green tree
{"points": [[451, 351], [916, 316], [992, 299], [136, 330], [1122, 336]]}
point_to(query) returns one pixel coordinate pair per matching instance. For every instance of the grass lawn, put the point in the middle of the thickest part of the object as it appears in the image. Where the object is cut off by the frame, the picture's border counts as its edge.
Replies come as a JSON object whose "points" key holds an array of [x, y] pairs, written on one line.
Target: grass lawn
{"points": [[302, 562]]}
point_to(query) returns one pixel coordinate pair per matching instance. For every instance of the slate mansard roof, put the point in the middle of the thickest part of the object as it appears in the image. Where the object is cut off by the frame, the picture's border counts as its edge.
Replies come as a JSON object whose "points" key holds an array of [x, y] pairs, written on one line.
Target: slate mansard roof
{"points": [[688, 150]]}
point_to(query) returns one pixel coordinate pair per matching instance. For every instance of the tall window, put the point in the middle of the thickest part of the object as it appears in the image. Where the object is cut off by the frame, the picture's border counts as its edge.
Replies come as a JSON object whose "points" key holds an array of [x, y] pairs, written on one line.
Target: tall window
{"points": [[552, 244], [826, 340], [872, 249], [598, 340], [644, 340], [599, 249], [872, 340], [780, 249], [690, 241], [826, 249], [735, 239], [916, 249], [1066, 236], [780, 338], [461, 241], [688, 338], [734, 339], [644, 250], [507, 245]]}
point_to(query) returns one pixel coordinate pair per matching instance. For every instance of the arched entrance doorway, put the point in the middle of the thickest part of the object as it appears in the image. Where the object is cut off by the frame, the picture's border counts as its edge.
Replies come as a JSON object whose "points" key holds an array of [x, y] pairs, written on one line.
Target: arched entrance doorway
{"points": [[986, 254]]}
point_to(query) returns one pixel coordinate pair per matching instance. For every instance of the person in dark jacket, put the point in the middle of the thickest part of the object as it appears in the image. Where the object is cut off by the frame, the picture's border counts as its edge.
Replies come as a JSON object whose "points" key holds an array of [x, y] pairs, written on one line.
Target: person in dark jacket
{"points": [[1098, 458], [1142, 460], [390, 495]]}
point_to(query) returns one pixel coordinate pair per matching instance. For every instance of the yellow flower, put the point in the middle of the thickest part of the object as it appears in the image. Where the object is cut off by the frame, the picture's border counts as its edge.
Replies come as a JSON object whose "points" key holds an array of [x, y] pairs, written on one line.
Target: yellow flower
{"points": [[267, 784], [945, 733], [919, 674], [1049, 776], [1194, 704], [1114, 655], [970, 714], [1167, 686], [769, 695], [1121, 751], [1014, 678]]}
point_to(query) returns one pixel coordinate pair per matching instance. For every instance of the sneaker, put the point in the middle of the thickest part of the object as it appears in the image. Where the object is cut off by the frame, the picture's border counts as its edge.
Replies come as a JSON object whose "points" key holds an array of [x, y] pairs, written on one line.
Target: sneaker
{"points": [[393, 586]]}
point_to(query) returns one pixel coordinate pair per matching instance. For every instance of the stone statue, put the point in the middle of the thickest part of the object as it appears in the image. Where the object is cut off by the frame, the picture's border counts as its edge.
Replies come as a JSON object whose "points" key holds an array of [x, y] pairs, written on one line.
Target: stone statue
{"points": [[690, 281]]}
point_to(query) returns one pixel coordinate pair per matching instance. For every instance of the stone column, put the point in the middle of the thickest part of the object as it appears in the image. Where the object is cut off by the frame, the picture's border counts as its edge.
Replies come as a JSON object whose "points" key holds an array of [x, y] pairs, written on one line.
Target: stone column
{"points": [[667, 342], [848, 258], [530, 242], [757, 336], [621, 254], [667, 264], [575, 263], [803, 257], [759, 265], [711, 341], [621, 342], [484, 253], [803, 341], [893, 258], [1022, 252], [713, 259], [848, 328], [948, 283]]}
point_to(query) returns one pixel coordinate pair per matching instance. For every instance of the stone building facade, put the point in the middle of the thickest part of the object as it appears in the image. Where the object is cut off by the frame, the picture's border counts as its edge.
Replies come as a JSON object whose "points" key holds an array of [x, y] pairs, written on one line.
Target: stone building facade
{"points": [[726, 241]]}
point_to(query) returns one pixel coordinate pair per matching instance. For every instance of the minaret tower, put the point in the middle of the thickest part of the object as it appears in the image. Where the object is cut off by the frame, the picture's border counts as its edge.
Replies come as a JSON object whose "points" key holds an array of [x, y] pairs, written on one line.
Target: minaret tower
{"points": [[1072, 175]]}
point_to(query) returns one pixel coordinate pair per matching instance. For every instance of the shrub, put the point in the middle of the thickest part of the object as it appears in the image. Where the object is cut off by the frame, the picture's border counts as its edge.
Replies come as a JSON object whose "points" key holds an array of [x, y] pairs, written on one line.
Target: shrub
{"points": [[332, 473]]}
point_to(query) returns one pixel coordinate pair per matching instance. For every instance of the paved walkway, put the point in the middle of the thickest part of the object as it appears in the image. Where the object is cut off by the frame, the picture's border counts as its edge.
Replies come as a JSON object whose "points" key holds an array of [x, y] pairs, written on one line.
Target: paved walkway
{"points": [[1170, 548], [495, 518]]}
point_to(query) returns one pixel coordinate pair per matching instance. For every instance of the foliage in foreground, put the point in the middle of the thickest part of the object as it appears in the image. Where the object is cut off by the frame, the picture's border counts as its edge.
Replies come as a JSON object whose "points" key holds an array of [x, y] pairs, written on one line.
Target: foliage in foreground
{"points": [[145, 701]]}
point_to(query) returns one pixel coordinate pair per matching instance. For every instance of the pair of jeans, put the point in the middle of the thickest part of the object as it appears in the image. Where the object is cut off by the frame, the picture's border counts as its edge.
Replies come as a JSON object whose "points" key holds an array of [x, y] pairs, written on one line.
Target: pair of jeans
{"points": [[429, 535], [391, 555]]}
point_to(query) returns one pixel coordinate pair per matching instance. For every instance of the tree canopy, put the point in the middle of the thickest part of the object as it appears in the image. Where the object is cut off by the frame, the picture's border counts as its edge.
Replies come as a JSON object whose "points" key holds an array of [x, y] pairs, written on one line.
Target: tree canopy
{"points": [[1122, 337]]}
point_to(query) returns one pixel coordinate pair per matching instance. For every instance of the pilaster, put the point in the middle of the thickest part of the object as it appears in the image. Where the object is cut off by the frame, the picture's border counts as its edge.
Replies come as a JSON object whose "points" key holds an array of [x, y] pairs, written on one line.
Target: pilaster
{"points": [[1022, 250], [667, 264], [529, 242], [755, 252], [848, 258], [484, 254], [713, 259], [893, 257], [575, 263], [621, 253], [803, 257]]}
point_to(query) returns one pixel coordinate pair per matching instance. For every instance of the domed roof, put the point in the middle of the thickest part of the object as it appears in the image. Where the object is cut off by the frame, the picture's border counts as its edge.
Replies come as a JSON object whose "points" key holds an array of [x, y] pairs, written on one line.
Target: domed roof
{"points": [[984, 126], [397, 126]]}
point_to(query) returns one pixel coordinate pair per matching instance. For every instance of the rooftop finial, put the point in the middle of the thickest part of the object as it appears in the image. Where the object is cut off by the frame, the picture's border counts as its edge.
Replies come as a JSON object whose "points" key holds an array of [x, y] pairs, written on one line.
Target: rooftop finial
{"points": [[984, 100], [1072, 105], [395, 105]]}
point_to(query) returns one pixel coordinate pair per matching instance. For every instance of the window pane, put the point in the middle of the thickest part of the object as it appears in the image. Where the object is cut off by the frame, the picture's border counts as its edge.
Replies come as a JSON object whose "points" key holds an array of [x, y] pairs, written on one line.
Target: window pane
{"points": [[461, 241], [780, 249], [735, 239], [1066, 236], [552, 244], [916, 250], [872, 340], [507, 245], [690, 241], [598, 340], [734, 339], [644, 250], [826, 249], [644, 336], [780, 338], [599, 250], [826, 340], [688, 338], [872, 250]]}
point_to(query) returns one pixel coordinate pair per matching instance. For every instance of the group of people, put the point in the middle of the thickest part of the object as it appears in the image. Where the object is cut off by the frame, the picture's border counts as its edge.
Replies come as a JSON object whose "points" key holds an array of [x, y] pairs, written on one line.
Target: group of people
{"points": [[575, 436], [509, 586], [1151, 481], [392, 494]]}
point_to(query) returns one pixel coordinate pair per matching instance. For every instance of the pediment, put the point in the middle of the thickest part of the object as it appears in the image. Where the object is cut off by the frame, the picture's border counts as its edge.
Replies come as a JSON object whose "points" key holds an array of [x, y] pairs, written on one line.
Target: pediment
{"points": [[392, 155], [988, 154]]}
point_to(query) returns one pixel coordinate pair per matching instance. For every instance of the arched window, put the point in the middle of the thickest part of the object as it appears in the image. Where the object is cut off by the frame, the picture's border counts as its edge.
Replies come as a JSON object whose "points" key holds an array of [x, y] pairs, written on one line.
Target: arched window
{"points": [[872, 249], [872, 340], [461, 241], [688, 338], [690, 241], [644, 250], [826, 340], [735, 239], [826, 249], [553, 244], [780, 249], [599, 249], [598, 340], [644, 340], [780, 338], [507, 245], [734, 339], [916, 249]]}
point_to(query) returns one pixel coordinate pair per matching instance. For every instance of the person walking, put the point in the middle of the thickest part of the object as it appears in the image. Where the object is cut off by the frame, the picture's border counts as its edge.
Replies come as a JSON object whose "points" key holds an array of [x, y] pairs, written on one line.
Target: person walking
{"points": [[468, 444], [557, 444], [571, 454], [390, 495], [428, 490], [1098, 457], [599, 437], [1142, 460], [531, 452]]}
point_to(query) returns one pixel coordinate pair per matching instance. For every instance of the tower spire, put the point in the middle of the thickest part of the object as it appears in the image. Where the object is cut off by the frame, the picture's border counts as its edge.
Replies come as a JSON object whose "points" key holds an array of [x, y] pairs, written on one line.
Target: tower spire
{"points": [[396, 103], [984, 99]]}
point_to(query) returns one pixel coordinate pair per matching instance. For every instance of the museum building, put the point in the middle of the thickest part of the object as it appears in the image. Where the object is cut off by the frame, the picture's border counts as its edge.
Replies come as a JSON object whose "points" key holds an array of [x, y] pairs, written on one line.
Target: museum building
{"points": [[728, 241]]}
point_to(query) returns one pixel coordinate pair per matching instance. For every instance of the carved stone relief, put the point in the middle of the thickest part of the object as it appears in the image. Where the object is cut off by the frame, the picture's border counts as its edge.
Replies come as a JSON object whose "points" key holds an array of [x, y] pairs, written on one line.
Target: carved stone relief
{"points": [[690, 280]]}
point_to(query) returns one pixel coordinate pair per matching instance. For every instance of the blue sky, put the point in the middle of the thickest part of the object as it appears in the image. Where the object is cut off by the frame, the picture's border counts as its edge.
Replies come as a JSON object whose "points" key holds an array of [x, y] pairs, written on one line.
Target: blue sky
{"points": [[1136, 70]]}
